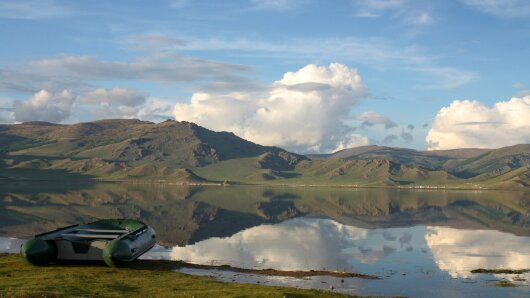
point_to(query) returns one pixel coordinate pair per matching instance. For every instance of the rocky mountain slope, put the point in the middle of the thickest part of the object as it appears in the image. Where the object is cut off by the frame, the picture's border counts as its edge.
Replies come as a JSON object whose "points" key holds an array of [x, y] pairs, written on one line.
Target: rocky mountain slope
{"points": [[121, 149]]}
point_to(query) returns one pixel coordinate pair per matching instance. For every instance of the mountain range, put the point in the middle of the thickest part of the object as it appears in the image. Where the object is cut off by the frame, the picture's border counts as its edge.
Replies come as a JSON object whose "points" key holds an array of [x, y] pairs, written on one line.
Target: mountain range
{"points": [[183, 152]]}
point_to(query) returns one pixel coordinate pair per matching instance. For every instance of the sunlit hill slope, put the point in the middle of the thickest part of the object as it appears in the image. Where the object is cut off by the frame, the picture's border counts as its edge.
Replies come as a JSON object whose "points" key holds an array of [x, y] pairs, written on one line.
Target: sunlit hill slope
{"points": [[184, 152]]}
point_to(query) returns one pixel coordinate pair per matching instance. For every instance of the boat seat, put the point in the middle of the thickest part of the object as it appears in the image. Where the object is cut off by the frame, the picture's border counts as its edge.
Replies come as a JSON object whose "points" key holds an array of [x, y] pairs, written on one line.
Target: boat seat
{"points": [[93, 236]]}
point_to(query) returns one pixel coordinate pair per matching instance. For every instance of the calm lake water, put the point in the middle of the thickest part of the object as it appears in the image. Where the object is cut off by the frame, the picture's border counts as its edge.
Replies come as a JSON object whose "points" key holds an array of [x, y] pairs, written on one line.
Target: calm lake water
{"points": [[419, 242]]}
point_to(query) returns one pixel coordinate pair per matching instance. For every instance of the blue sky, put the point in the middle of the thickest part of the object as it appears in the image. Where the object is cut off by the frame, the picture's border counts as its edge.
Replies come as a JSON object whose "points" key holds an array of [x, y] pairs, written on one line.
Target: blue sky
{"points": [[222, 64]]}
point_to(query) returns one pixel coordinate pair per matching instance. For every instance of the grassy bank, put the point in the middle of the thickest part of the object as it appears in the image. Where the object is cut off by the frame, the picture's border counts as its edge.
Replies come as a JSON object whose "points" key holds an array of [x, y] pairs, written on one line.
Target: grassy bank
{"points": [[142, 279], [500, 271]]}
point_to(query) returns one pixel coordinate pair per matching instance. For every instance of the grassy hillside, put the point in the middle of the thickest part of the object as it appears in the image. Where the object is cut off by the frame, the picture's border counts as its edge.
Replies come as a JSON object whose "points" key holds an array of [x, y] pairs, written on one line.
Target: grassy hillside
{"points": [[123, 149], [183, 152], [495, 162], [436, 159]]}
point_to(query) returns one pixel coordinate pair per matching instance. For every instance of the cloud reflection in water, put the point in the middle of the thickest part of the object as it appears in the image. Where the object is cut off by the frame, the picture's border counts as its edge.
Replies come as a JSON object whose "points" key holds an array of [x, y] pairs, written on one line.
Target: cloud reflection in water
{"points": [[302, 244], [316, 243], [459, 251]]}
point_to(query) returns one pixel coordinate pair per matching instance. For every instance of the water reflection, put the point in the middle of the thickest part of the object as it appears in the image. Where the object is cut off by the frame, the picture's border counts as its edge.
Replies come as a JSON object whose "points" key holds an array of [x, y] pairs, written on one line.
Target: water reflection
{"points": [[188, 215], [316, 243], [302, 244], [416, 261], [10, 245], [459, 251], [420, 242]]}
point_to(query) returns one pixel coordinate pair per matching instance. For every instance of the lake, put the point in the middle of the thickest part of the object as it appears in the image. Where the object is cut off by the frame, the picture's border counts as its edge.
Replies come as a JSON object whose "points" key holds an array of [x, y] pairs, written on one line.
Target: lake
{"points": [[420, 242]]}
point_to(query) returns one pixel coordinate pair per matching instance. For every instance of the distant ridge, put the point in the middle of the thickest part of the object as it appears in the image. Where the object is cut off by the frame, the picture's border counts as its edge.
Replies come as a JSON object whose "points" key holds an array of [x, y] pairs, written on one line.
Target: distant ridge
{"points": [[183, 152], [403, 155]]}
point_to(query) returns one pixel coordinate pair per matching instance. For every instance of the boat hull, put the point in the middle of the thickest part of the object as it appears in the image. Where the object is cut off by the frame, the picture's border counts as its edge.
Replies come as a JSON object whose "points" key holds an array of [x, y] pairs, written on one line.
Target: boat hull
{"points": [[114, 241]]}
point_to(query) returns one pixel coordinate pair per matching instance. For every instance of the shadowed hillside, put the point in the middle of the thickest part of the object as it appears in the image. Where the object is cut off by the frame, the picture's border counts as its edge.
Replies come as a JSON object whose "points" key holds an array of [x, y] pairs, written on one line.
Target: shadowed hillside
{"points": [[183, 152], [128, 148]]}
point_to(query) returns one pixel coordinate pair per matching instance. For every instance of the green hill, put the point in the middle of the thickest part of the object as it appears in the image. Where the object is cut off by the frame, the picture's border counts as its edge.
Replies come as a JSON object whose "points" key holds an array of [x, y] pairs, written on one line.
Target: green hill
{"points": [[437, 159], [183, 152], [126, 148]]}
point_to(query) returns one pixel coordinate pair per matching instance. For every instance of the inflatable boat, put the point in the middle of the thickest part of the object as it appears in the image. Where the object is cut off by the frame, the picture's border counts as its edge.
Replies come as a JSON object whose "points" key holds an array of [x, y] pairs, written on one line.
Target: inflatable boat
{"points": [[114, 241]]}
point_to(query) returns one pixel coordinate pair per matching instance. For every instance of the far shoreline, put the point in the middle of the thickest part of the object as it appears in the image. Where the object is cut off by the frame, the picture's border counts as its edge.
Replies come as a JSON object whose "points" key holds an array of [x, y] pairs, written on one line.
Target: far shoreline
{"points": [[237, 183]]}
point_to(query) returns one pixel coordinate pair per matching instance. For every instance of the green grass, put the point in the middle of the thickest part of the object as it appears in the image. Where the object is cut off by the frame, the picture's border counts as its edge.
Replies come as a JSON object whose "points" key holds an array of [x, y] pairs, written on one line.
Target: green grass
{"points": [[141, 279], [331, 172], [501, 271], [505, 284]]}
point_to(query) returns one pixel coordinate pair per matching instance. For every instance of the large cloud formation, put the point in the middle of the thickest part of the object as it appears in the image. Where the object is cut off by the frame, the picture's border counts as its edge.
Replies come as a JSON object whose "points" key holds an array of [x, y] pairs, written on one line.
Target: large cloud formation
{"points": [[97, 103], [470, 124], [45, 106], [304, 111]]}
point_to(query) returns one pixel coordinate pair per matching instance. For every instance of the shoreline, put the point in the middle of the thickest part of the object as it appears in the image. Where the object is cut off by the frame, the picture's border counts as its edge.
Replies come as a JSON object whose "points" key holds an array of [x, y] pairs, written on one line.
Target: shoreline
{"points": [[274, 272], [145, 278], [235, 183], [176, 264]]}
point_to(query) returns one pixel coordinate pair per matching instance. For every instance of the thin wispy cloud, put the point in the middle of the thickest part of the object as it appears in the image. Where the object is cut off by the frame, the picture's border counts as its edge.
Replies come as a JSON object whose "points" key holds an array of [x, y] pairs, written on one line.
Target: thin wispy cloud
{"points": [[83, 73], [154, 41], [372, 118], [33, 9], [377, 5], [502, 8], [408, 12], [166, 68], [447, 77], [376, 52], [178, 3], [277, 5]]}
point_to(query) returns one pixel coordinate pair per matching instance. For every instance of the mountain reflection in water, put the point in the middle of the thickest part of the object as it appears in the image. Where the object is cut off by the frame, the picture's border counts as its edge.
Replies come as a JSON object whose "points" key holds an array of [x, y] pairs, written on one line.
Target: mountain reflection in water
{"points": [[420, 242], [185, 215]]}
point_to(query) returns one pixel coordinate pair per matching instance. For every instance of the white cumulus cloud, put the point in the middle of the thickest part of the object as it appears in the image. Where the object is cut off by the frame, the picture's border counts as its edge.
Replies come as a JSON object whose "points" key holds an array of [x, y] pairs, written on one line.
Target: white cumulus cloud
{"points": [[469, 123], [45, 106], [115, 102], [99, 103], [304, 111]]}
